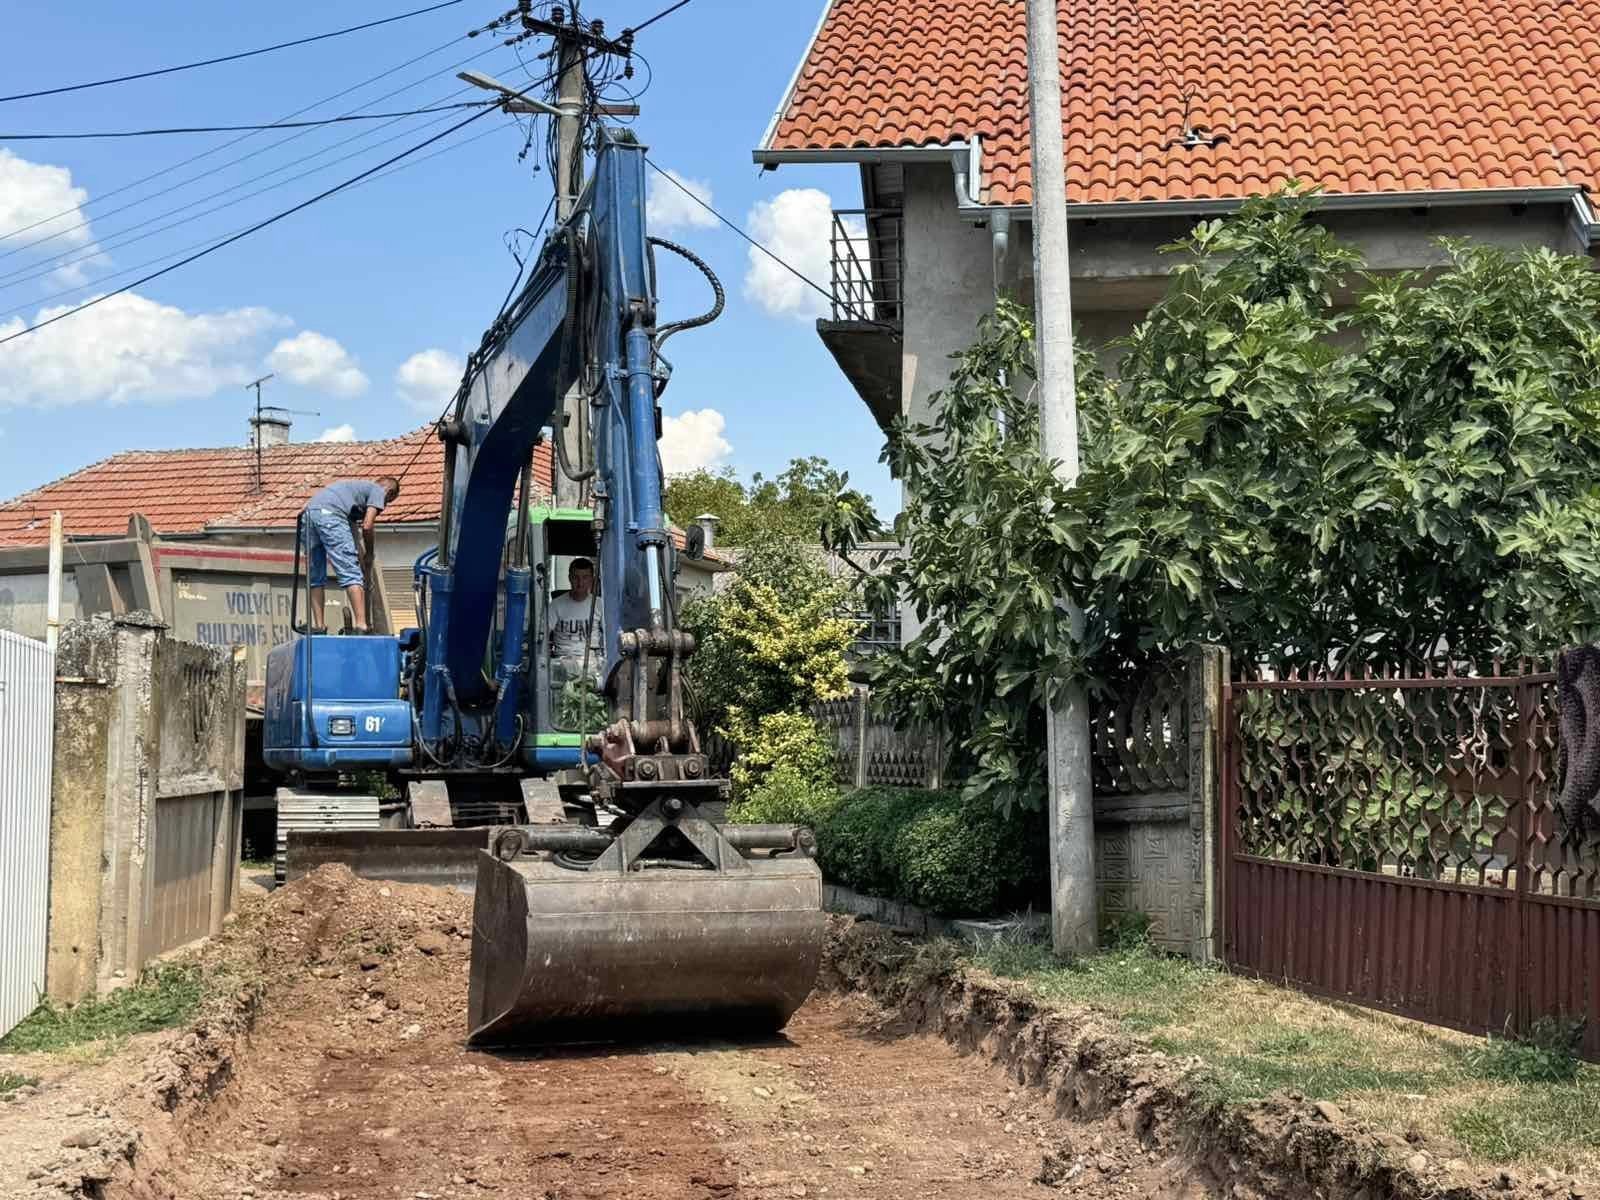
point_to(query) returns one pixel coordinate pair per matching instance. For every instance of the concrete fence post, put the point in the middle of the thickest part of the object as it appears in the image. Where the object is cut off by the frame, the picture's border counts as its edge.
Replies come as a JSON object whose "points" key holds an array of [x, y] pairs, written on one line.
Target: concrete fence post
{"points": [[1207, 671], [862, 695]]}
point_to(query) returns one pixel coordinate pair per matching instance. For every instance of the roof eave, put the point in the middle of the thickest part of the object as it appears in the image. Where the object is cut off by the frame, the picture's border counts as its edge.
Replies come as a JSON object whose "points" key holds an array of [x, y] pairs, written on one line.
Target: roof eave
{"points": [[288, 527], [863, 154], [1327, 202]]}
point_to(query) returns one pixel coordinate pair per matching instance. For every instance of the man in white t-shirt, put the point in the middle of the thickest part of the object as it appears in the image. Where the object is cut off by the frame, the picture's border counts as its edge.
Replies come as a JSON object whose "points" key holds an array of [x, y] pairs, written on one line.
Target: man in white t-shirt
{"points": [[570, 616]]}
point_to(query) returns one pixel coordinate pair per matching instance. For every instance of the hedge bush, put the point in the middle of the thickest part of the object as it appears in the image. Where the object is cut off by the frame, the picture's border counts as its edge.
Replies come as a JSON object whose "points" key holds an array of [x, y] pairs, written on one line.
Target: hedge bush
{"points": [[953, 856], [855, 846]]}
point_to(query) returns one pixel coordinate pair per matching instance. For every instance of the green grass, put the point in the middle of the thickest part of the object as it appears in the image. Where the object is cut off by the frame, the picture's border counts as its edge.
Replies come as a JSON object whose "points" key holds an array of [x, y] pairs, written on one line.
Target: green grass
{"points": [[1530, 1102], [1321, 1065], [1145, 991], [165, 996], [256, 864], [1524, 1122], [1549, 1054], [10, 1081]]}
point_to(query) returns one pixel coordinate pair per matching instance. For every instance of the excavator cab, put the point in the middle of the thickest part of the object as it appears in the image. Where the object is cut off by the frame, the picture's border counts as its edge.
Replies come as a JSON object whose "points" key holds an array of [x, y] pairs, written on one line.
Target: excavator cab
{"points": [[566, 699]]}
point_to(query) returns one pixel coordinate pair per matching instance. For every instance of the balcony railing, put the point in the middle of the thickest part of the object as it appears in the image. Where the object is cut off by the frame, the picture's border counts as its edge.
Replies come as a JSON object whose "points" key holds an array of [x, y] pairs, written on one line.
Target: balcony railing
{"points": [[868, 265]]}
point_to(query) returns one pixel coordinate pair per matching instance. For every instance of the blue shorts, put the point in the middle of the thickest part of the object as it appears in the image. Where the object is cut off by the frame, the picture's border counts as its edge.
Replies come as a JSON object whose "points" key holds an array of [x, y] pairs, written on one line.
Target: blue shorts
{"points": [[330, 542]]}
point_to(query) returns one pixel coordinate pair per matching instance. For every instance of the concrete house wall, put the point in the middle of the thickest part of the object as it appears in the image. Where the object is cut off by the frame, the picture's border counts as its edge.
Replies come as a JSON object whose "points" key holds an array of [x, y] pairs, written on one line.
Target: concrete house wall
{"points": [[954, 268]]}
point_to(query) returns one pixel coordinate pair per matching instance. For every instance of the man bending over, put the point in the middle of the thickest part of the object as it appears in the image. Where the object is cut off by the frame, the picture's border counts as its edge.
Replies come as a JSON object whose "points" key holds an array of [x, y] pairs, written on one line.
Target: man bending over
{"points": [[340, 521]]}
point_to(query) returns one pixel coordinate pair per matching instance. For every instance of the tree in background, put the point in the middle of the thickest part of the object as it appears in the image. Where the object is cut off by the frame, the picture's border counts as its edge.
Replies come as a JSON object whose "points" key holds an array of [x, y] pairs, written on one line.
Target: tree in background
{"points": [[1247, 482], [794, 506], [770, 645]]}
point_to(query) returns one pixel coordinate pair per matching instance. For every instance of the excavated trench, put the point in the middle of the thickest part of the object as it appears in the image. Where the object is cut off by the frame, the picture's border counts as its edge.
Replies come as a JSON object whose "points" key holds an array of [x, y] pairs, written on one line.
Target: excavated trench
{"points": [[337, 1069], [349, 1079]]}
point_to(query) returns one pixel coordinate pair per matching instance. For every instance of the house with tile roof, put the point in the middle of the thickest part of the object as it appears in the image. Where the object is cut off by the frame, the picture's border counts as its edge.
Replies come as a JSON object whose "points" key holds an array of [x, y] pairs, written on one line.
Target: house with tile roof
{"points": [[1444, 118], [205, 538]]}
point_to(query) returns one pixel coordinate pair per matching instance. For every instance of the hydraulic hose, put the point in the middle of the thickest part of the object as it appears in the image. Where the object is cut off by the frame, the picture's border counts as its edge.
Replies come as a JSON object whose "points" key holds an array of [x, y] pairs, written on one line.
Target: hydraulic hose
{"points": [[704, 318]]}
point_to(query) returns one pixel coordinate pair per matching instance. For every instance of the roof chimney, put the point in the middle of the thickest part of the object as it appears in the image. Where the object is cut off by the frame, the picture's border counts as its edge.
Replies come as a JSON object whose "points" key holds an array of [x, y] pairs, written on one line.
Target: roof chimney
{"points": [[709, 522], [270, 427]]}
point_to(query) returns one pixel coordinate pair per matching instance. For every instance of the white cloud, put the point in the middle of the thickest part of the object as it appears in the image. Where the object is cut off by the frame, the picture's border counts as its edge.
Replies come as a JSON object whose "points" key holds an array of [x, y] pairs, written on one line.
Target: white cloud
{"points": [[130, 347], [428, 379], [667, 208], [312, 359], [693, 441], [339, 433], [36, 192], [795, 225]]}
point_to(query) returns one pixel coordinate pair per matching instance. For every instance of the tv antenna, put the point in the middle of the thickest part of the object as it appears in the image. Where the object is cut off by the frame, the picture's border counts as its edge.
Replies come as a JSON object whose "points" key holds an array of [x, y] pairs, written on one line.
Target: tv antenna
{"points": [[258, 420]]}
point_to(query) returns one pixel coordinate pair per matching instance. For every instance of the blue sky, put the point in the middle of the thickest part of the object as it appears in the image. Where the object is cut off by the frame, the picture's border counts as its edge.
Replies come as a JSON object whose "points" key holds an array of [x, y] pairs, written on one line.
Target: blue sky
{"points": [[365, 303]]}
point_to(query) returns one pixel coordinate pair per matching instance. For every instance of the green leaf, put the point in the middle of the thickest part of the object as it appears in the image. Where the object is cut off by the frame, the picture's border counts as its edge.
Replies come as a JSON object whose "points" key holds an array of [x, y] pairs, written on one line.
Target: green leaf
{"points": [[1221, 378]]}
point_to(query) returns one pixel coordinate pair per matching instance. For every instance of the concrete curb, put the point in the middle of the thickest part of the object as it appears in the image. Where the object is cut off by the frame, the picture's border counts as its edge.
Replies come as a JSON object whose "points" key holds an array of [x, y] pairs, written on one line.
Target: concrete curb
{"points": [[897, 914]]}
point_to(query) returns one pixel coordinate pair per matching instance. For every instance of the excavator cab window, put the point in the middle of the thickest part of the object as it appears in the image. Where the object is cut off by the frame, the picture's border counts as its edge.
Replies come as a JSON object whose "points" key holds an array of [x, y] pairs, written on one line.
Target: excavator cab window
{"points": [[568, 697]]}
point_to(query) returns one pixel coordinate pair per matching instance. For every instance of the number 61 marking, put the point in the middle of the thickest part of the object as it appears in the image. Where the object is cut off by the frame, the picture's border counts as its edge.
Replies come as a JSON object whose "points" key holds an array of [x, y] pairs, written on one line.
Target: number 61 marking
{"points": [[374, 724]]}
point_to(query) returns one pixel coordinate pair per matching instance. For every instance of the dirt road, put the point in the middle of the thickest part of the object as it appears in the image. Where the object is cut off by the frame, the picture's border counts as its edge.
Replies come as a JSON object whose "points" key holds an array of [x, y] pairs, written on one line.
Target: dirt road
{"points": [[356, 1083]]}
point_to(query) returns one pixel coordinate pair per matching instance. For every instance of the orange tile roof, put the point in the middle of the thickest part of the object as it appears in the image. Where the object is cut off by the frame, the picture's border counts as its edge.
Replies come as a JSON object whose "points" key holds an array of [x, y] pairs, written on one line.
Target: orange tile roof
{"points": [[199, 491], [1359, 96], [192, 491]]}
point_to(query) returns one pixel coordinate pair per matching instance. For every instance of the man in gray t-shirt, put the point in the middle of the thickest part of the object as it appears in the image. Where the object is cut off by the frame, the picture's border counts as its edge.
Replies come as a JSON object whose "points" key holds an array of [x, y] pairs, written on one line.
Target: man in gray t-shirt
{"points": [[336, 519]]}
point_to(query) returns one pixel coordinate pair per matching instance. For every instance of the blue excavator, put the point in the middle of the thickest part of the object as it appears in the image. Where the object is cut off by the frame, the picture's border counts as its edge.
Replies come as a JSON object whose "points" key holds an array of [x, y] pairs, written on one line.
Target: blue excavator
{"points": [[647, 910]]}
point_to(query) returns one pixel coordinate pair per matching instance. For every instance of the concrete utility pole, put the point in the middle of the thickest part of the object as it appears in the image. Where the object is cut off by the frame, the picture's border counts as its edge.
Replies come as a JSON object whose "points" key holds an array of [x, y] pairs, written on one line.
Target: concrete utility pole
{"points": [[52, 595], [569, 184], [1073, 923]]}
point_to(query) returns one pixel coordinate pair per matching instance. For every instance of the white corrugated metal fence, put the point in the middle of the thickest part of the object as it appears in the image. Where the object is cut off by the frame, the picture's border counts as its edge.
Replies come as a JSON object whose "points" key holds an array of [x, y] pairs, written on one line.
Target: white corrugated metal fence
{"points": [[27, 706]]}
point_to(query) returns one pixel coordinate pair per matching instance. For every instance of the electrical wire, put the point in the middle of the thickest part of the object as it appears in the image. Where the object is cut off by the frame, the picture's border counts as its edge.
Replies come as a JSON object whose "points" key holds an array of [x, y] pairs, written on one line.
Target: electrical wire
{"points": [[1186, 91], [133, 133], [210, 62], [84, 224], [194, 158], [259, 225], [119, 239], [805, 279], [182, 250], [665, 12]]}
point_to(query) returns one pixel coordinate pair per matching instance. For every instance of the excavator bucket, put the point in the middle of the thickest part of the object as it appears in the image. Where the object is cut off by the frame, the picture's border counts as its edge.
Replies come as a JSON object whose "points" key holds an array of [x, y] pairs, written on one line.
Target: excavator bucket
{"points": [[629, 949]]}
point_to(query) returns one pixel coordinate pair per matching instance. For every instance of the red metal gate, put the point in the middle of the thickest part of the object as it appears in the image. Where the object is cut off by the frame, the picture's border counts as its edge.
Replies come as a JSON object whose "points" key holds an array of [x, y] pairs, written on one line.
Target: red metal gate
{"points": [[1394, 842]]}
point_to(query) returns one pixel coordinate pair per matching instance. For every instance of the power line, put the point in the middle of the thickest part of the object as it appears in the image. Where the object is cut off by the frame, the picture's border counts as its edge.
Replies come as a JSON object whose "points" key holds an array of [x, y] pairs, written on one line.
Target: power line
{"points": [[257, 227], [283, 141], [172, 254], [118, 240], [665, 12], [194, 158], [810, 283], [210, 62], [131, 133], [1184, 90]]}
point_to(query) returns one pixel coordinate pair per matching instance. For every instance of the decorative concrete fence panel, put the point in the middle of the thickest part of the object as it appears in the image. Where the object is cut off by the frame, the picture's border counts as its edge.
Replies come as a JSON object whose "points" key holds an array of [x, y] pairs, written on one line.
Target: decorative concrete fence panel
{"points": [[1155, 743], [1155, 746], [871, 751]]}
